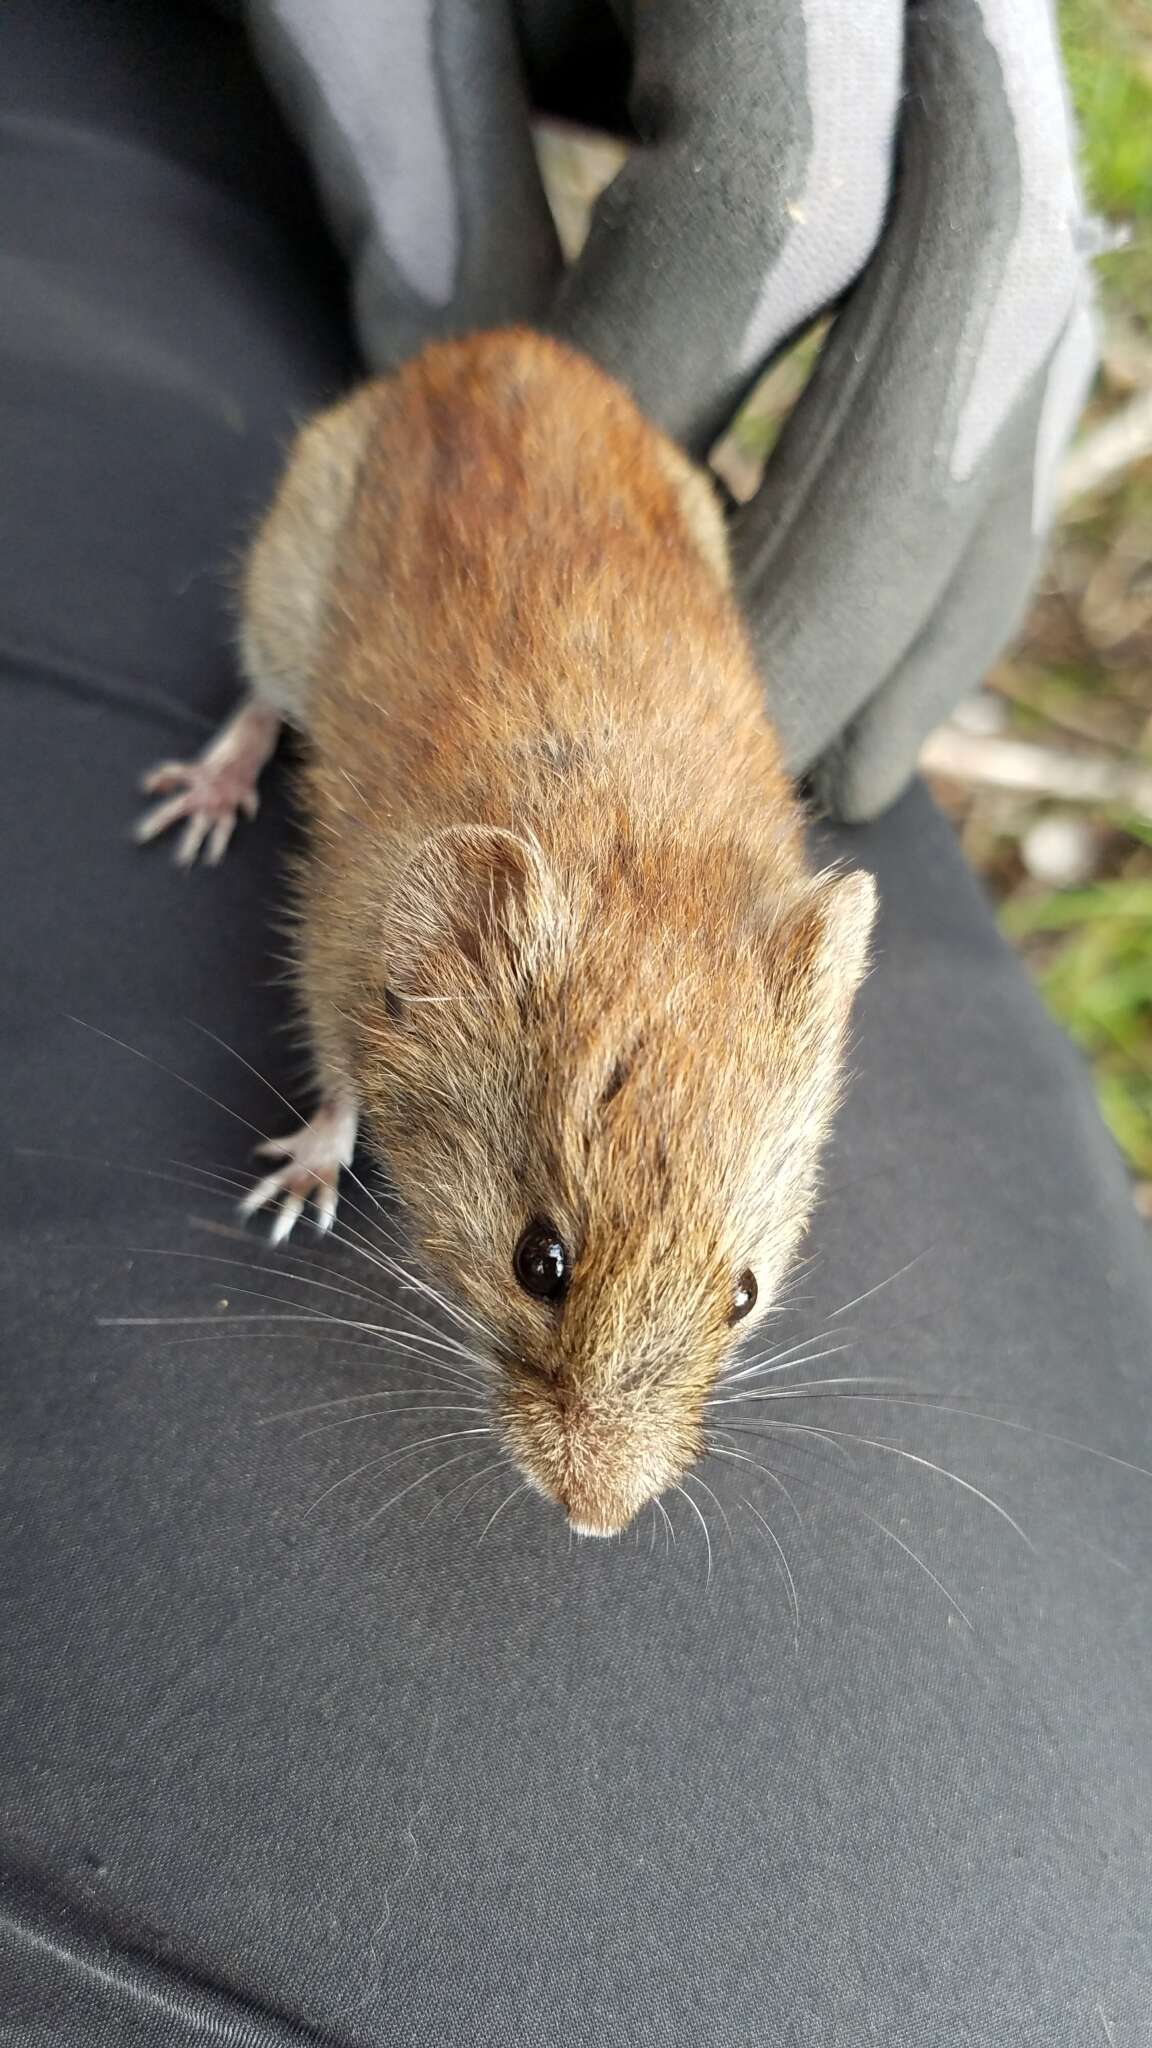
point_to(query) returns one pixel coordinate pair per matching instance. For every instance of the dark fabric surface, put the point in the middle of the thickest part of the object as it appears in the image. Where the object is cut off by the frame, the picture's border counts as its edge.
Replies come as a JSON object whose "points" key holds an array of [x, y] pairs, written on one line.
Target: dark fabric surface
{"points": [[269, 1775]]}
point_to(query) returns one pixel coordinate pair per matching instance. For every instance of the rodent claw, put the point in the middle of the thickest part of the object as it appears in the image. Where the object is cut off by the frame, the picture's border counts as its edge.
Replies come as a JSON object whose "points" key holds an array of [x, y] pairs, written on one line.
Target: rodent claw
{"points": [[222, 832], [311, 1161], [264, 1192], [165, 776], [192, 839], [291, 1210], [158, 820]]}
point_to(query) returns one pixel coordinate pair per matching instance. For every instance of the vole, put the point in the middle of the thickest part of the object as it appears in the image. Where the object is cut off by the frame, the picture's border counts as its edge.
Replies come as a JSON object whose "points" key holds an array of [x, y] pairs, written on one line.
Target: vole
{"points": [[562, 958]]}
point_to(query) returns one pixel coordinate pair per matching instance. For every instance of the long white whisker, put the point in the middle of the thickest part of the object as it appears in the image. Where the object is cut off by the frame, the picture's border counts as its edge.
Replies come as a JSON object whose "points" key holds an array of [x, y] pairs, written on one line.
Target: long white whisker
{"points": [[779, 1548], [854, 1508], [927, 1464], [695, 1477], [720, 1451], [473, 1479], [810, 1388], [391, 1414], [178, 1180], [338, 1237], [422, 1480], [448, 1369], [374, 1394], [158, 1251], [506, 1503], [390, 1458], [870, 1291], [183, 1081], [396, 1270], [292, 1107], [223, 1328], [780, 1362], [703, 1524], [669, 1531], [1068, 1443]]}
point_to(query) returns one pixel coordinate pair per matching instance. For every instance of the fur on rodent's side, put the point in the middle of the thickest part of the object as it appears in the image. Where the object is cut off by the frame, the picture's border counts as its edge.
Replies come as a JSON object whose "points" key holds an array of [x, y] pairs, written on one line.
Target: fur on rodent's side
{"points": [[557, 935]]}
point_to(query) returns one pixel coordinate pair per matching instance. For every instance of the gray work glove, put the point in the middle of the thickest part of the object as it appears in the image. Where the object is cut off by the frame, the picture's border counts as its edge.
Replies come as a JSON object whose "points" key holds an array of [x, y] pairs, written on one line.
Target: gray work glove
{"points": [[911, 164]]}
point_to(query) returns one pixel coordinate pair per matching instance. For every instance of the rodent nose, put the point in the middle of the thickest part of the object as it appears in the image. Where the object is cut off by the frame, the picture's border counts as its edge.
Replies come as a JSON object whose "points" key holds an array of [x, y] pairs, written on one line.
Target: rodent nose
{"points": [[598, 1515], [579, 1528]]}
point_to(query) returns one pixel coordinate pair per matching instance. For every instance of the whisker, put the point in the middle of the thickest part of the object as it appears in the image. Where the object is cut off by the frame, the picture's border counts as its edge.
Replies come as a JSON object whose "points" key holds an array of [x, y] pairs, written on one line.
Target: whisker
{"points": [[456, 1459], [695, 1477], [909, 1552], [506, 1503], [797, 1429], [703, 1524], [344, 1400], [390, 1458], [912, 1457], [1068, 1443], [174, 1322], [779, 1548], [378, 1331], [128, 1166], [720, 1451], [481, 1378], [870, 1291], [391, 1414], [475, 1480], [292, 1107], [669, 1531], [780, 1361], [392, 1266], [810, 1388], [183, 1081], [854, 1508], [156, 1251], [171, 1073], [226, 1328], [287, 1258]]}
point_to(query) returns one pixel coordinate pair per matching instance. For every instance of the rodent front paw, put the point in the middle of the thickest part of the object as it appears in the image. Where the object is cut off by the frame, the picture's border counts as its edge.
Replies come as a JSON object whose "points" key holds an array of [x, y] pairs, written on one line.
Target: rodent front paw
{"points": [[210, 796], [314, 1158]]}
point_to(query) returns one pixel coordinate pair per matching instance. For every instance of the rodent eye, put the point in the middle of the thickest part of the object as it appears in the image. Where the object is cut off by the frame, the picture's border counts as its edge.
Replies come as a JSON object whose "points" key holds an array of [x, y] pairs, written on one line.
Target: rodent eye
{"points": [[743, 1297], [541, 1262]]}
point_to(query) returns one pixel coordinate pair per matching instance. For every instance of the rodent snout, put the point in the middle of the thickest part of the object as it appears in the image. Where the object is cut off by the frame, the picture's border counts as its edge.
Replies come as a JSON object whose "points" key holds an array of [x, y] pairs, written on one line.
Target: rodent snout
{"points": [[599, 1459]]}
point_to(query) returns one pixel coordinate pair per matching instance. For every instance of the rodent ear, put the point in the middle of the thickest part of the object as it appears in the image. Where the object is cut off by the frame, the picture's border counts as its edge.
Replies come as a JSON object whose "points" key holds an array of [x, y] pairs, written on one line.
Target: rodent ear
{"points": [[819, 946], [466, 891]]}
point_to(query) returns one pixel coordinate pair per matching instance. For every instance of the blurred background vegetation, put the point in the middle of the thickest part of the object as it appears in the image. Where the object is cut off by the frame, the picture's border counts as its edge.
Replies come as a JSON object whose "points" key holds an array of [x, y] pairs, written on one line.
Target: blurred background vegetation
{"points": [[1046, 770], [1074, 880]]}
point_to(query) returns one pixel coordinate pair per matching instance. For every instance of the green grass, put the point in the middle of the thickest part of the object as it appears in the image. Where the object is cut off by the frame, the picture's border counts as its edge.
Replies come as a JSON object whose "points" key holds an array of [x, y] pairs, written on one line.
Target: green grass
{"points": [[1098, 981], [1108, 51], [1091, 948]]}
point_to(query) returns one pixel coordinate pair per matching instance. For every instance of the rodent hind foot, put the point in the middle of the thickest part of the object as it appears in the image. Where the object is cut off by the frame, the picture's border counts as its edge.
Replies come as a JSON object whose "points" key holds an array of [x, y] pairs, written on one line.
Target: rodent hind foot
{"points": [[313, 1159]]}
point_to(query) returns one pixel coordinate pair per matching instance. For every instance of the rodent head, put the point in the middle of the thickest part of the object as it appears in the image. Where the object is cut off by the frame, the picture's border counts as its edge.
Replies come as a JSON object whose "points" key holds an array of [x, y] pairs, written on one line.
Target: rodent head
{"points": [[602, 1100]]}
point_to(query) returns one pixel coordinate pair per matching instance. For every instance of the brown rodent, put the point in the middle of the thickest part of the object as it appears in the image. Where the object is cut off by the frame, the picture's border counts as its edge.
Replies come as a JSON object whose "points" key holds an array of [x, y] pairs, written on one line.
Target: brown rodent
{"points": [[561, 955]]}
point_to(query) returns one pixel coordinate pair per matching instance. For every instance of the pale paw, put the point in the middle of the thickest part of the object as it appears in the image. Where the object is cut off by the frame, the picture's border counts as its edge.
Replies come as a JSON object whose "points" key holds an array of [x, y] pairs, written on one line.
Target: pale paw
{"points": [[313, 1159], [208, 796]]}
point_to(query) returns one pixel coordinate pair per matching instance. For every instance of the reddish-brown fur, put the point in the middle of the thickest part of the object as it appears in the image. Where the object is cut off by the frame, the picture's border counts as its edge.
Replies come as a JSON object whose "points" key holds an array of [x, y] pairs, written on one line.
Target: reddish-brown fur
{"points": [[558, 938]]}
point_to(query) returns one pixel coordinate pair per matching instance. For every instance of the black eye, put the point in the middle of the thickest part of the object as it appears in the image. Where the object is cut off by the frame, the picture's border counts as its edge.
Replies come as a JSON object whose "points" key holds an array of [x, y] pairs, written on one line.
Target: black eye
{"points": [[743, 1298], [541, 1261]]}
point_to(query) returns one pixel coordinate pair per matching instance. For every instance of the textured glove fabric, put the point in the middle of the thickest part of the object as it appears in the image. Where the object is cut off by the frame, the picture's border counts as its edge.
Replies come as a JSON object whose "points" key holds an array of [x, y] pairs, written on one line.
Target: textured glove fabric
{"points": [[911, 165]]}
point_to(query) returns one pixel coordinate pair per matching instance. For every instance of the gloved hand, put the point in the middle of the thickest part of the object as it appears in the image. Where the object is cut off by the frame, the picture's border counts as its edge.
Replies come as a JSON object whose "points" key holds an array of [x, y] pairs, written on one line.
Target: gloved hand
{"points": [[911, 164]]}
